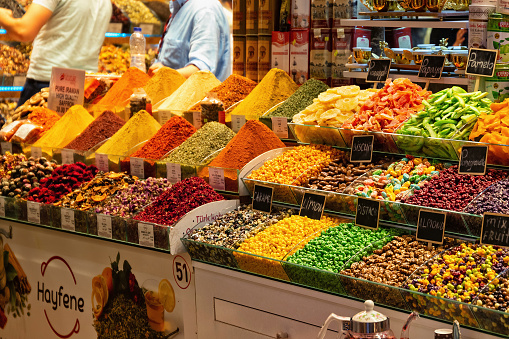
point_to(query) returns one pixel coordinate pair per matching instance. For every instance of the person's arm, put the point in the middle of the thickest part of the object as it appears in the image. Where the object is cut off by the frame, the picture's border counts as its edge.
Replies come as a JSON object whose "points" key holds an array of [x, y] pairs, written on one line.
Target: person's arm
{"points": [[188, 70], [27, 27]]}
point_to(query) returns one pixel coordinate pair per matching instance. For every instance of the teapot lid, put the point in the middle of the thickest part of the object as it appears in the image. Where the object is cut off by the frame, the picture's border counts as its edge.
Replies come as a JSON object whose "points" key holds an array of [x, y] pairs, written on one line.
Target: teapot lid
{"points": [[369, 321]]}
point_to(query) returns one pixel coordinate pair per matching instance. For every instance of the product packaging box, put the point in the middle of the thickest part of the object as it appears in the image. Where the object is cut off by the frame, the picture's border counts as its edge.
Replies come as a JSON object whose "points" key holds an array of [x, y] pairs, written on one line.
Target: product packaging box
{"points": [[252, 57], [268, 16], [320, 56], [264, 44], [251, 16], [402, 37], [299, 56], [321, 14], [361, 37], [239, 55], [300, 14], [342, 9], [280, 52], [239, 17], [341, 51]]}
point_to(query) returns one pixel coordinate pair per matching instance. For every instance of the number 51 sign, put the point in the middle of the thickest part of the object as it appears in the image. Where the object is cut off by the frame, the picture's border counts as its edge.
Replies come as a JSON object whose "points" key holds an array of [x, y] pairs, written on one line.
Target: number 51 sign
{"points": [[182, 271]]}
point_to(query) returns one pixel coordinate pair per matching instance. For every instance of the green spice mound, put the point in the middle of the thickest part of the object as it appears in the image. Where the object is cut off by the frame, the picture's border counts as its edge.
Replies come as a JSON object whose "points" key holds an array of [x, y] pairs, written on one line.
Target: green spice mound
{"points": [[301, 99], [212, 137], [125, 319]]}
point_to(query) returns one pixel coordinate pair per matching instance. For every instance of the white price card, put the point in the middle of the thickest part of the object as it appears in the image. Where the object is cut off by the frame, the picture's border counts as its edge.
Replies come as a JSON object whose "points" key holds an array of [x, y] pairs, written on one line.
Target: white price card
{"points": [[104, 226], [67, 219], [66, 89], [164, 116], [2, 207], [101, 162], [173, 172], [147, 29], [237, 122], [36, 152], [216, 178], [115, 27], [280, 127], [6, 147], [67, 157], [137, 168], [34, 212], [197, 120], [146, 234]]}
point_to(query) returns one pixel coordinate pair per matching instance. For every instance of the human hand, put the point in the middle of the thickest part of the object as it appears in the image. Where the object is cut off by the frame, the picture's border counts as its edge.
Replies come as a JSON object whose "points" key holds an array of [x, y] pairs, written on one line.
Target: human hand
{"points": [[460, 37], [155, 68]]}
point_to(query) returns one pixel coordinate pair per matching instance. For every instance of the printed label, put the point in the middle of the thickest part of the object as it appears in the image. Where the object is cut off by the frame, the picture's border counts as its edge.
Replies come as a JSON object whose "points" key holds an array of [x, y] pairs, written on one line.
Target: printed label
{"points": [[237, 122], [34, 212], [146, 234], [173, 172], [67, 157], [104, 226], [67, 219], [280, 127], [137, 168], [216, 178], [101, 162]]}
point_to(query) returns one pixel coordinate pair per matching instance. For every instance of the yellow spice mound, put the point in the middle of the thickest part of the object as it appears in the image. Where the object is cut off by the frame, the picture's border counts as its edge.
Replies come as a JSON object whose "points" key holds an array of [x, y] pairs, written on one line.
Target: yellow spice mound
{"points": [[163, 84]]}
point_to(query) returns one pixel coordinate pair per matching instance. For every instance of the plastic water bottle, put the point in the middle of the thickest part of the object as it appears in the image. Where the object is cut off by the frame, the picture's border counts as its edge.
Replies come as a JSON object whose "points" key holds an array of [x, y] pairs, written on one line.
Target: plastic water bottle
{"points": [[137, 43]]}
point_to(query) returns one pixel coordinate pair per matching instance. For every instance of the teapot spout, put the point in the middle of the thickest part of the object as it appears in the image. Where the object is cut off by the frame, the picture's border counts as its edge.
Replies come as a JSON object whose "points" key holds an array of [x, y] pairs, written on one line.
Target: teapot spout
{"points": [[405, 331]]}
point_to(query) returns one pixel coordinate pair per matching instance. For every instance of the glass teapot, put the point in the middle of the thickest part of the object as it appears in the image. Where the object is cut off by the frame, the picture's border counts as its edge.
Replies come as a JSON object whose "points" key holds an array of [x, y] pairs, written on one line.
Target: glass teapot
{"points": [[368, 324]]}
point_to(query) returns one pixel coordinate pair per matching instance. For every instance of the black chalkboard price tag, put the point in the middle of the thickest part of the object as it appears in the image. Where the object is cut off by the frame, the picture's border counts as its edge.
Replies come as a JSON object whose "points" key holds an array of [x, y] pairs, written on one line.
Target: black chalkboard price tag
{"points": [[362, 148], [378, 70], [432, 67], [368, 213], [495, 229], [481, 62], [431, 227], [473, 160], [262, 198], [312, 205]]}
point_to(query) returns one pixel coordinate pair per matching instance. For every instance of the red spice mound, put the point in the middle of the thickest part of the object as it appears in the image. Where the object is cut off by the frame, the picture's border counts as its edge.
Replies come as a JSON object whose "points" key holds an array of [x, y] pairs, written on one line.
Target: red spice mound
{"points": [[253, 139], [175, 202], [102, 128], [63, 180], [174, 132], [123, 88]]}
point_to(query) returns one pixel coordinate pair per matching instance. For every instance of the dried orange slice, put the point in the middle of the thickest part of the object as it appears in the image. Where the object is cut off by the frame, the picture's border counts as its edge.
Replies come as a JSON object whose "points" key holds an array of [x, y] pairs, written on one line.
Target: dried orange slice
{"points": [[166, 295]]}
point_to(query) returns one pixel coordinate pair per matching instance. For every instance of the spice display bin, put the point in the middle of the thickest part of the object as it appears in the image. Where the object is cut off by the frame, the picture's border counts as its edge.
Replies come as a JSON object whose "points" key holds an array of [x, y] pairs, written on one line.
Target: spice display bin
{"points": [[118, 226]]}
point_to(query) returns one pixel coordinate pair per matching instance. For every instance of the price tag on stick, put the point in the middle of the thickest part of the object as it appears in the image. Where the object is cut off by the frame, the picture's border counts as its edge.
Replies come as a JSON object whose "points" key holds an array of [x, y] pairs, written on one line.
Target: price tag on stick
{"points": [[368, 213], [362, 148], [237, 122], [378, 70], [481, 63], [473, 160], [495, 229], [431, 227], [262, 198], [312, 205], [280, 127]]}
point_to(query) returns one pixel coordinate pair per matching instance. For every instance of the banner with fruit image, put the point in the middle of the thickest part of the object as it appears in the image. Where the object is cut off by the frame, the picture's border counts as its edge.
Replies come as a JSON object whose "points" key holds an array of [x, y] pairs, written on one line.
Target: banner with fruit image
{"points": [[72, 286]]}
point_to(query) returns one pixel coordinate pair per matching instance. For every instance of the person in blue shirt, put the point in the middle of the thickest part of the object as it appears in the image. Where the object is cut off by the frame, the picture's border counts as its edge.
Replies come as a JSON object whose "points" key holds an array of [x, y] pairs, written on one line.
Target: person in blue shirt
{"points": [[197, 37]]}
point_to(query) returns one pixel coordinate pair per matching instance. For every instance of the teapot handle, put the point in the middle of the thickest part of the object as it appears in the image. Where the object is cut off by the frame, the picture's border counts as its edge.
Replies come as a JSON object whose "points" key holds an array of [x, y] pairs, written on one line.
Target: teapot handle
{"points": [[331, 318]]}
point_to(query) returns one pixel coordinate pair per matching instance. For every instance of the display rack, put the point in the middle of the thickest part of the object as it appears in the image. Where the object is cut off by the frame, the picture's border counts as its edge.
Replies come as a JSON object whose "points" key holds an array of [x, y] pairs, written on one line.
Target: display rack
{"points": [[396, 23], [412, 76]]}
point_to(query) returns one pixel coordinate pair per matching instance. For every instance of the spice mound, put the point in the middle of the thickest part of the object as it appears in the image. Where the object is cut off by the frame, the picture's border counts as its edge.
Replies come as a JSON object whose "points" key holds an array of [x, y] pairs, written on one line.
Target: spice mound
{"points": [[102, 128], [96, 191], [163, 84], [72, 123], [141, 127], [120, 92], [63, 180], [173, 133], [175, 202], [131, 199], [210, 138], [190, 92], [275, 87], [43, 117], [234, 89]]}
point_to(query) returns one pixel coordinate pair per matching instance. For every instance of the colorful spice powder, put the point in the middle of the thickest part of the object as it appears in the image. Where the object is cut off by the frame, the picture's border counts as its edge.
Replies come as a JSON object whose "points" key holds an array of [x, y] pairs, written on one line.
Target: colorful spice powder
{"points": [[181, 198], [63, 180], [43, 117], [192, 91], [141, 127], [234, 89], [72, 123], [163, 84], [274, 88], [210, 138], [123, 88], [173, 133], [102, 128]]}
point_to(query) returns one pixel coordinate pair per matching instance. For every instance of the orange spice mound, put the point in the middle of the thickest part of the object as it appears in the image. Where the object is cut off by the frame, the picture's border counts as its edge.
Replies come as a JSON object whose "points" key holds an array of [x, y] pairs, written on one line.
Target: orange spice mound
{"points": [[43, 117], [123, 88]]}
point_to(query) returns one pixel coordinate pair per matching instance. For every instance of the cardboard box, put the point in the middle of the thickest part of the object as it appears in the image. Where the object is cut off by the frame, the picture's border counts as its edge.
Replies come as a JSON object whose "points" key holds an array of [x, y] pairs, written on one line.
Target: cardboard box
{"points": [[320, 56], [321, 14], [252, 57], [342, 9], [280, 52], [239, 55], [300, 14], [268, 16], [299, 56], [239, 17], [264, 45], [341, 51], [251, 16]]}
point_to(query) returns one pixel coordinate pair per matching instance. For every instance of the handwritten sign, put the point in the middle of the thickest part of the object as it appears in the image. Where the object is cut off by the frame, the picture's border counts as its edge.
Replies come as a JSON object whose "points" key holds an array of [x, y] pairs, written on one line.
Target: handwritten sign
{"points": [[237, 122], [473, 160], [146, 234], [66, 89], [67, 219], [262, 198], [216, 178], [137, 167], [368, 213], [378, 70], [432, 67], [431, 227], [495, 229], [101, 162], [481, 62], [362, 148], [312, 205], [104, 226], [280, 127], [34, 212], [67, 157], [36, 152], [173, 172]]}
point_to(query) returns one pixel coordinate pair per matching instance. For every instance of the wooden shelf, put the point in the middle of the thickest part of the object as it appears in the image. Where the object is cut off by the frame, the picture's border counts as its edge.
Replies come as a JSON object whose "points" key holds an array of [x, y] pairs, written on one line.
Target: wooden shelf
{"points": [[417, 15], [421, 23], [412, 76]]}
